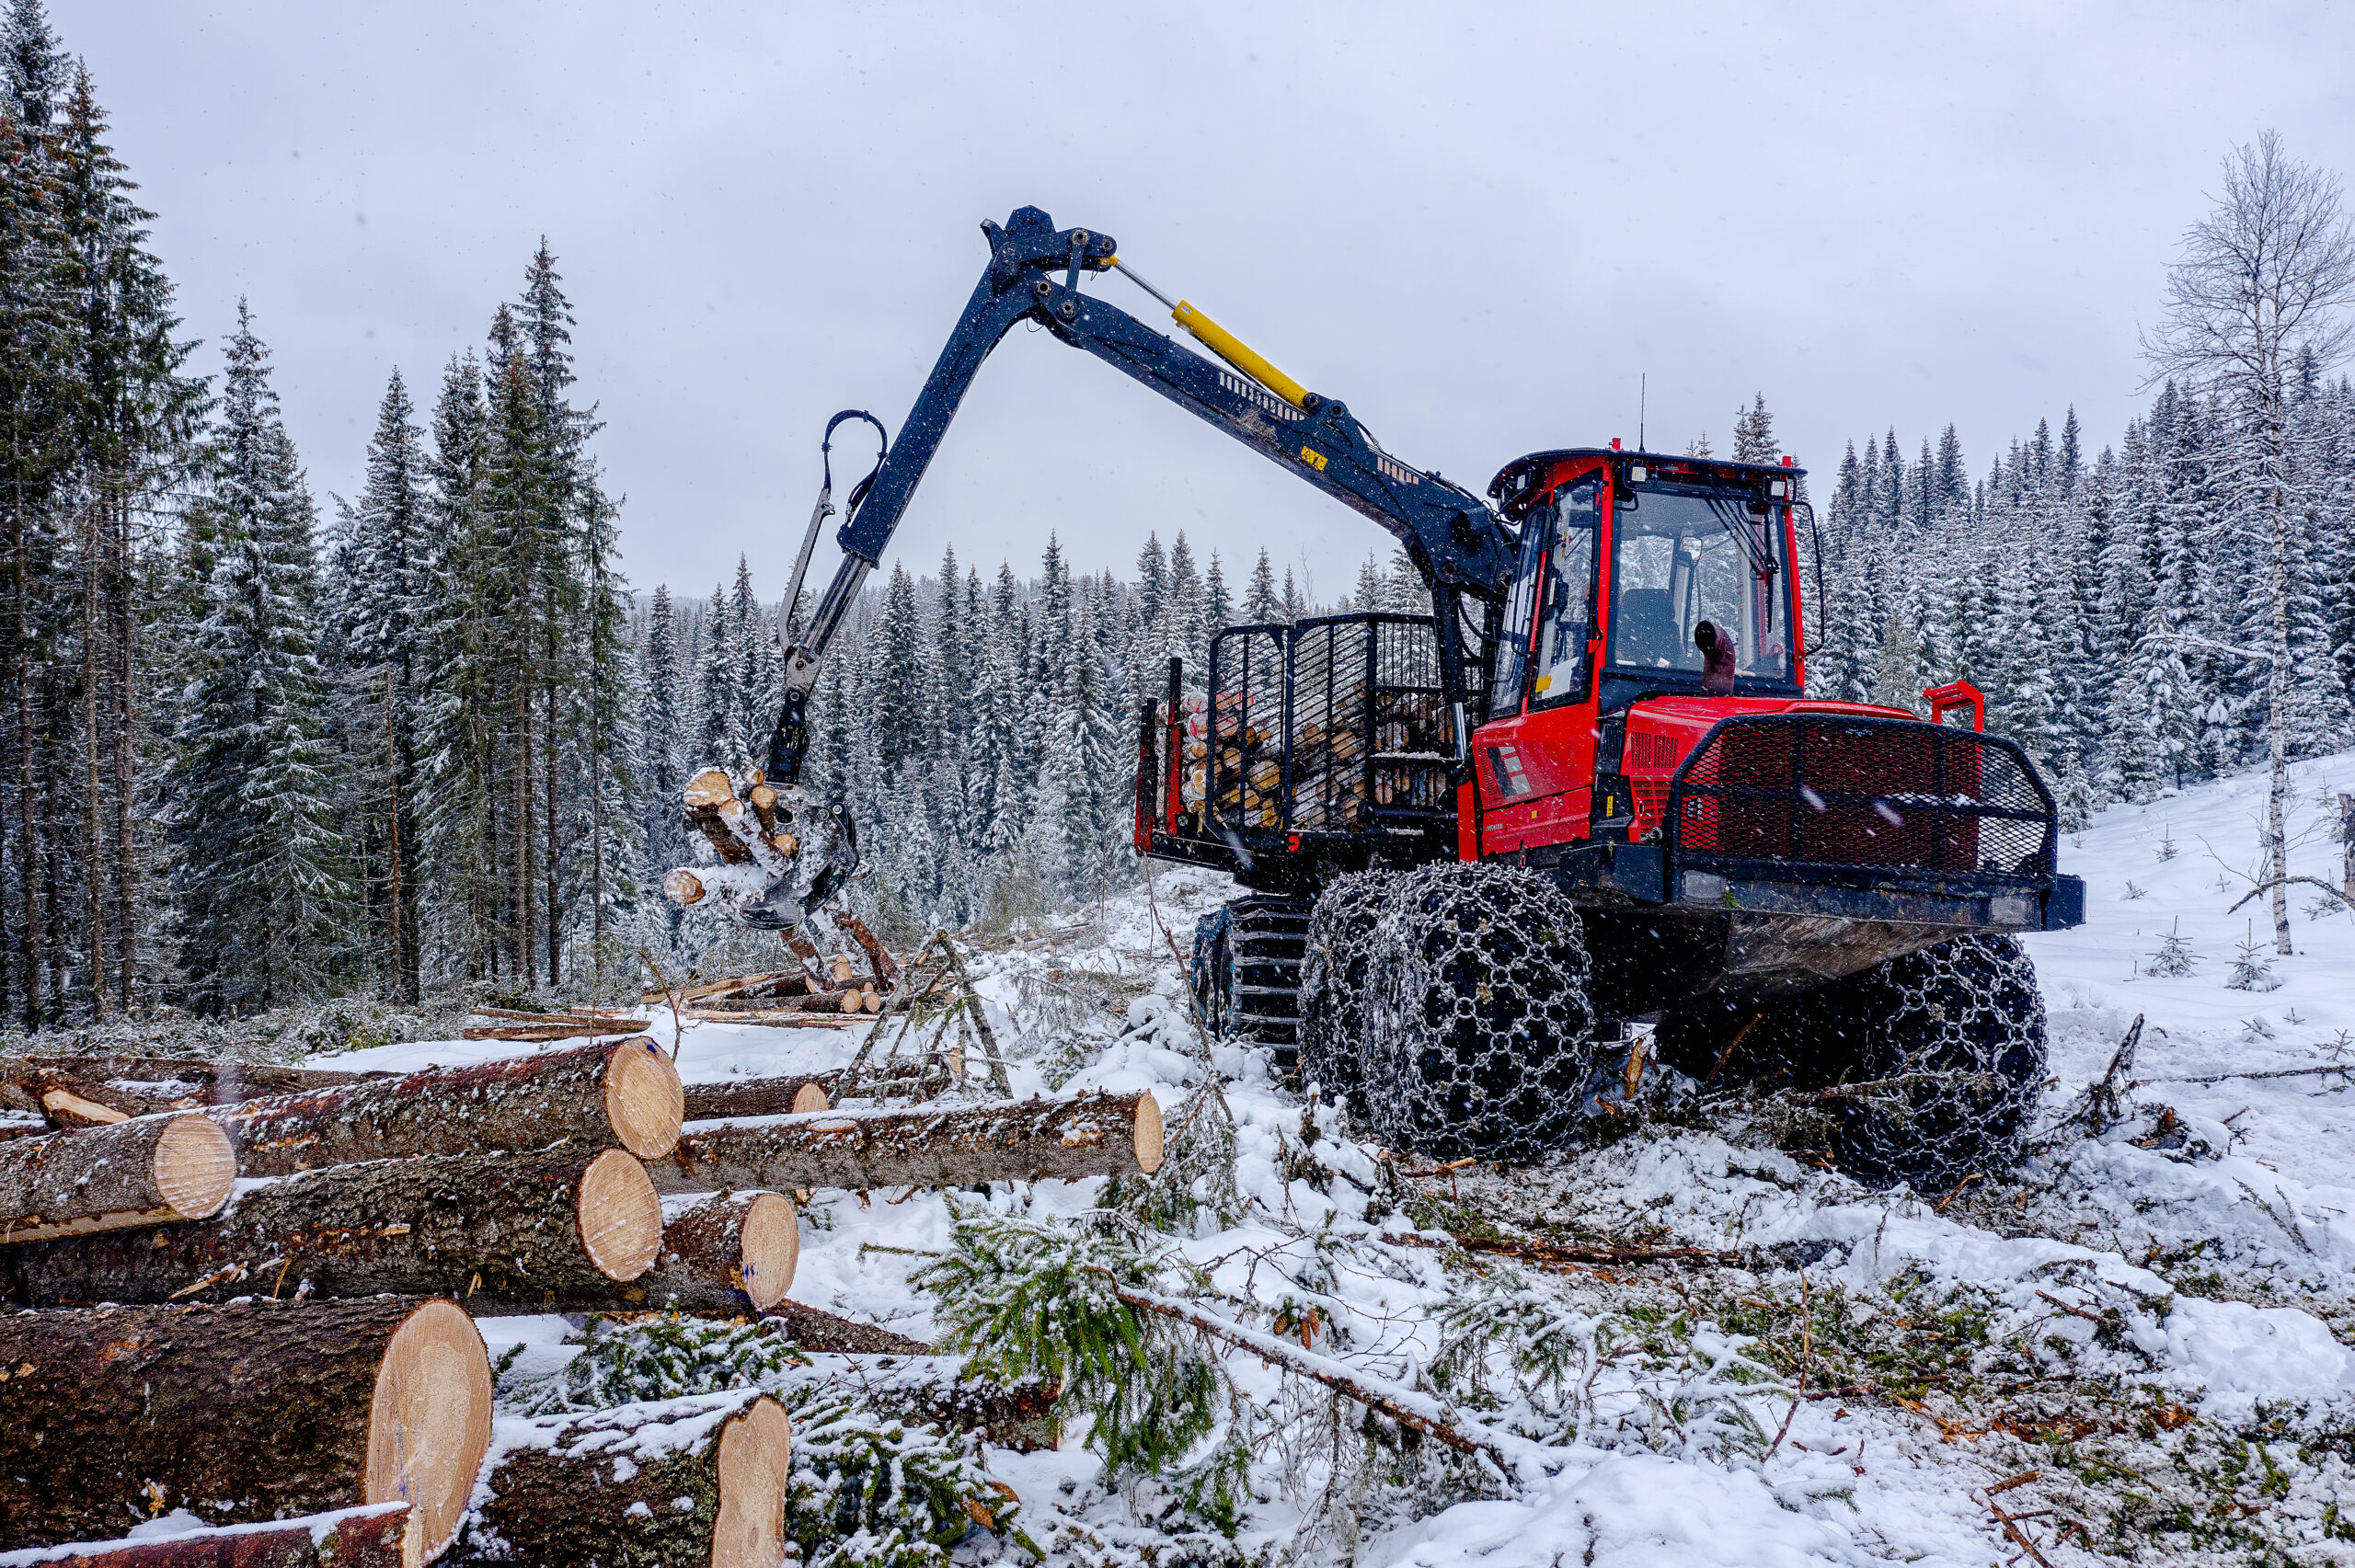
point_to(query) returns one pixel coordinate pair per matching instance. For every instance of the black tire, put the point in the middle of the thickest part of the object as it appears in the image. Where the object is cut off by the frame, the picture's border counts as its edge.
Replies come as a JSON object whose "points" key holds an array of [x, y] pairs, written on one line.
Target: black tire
{"points": [[1480, 1030], [1332, 980], [1210, 974], [1967, 1013]]}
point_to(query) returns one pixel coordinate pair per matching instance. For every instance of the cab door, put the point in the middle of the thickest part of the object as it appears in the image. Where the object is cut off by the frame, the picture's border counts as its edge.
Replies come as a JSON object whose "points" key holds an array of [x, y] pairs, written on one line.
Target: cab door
{"points": [[1535, 755]]}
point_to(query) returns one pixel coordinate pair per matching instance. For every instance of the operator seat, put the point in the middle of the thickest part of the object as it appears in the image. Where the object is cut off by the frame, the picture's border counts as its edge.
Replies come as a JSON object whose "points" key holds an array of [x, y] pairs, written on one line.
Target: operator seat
{"points": [[1648, 628]]}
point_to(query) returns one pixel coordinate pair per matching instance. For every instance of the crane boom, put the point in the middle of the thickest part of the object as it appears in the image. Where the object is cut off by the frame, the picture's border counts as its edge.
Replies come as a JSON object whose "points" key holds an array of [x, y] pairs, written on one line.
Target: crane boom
{"points": [[1460, 547]]}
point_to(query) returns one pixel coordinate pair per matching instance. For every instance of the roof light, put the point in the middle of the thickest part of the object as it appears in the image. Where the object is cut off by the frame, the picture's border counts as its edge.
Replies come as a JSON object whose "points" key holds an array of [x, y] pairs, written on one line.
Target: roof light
{"points": [[1638, 474], [1778, 488]]}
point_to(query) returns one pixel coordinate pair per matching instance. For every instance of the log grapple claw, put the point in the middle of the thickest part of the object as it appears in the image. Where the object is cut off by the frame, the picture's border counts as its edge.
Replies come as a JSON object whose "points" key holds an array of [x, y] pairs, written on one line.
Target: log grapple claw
{"points": [[770, 854]]}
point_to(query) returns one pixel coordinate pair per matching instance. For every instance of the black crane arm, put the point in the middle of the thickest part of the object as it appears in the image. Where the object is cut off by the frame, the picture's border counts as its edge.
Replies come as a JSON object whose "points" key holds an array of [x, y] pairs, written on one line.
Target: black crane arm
{"points": [[1460, 548]]}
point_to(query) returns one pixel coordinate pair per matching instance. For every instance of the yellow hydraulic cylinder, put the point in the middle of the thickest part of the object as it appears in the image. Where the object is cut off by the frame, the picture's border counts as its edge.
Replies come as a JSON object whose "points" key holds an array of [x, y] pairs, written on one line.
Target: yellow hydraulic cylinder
{"points": [[1239, 354], [1222, 343]]}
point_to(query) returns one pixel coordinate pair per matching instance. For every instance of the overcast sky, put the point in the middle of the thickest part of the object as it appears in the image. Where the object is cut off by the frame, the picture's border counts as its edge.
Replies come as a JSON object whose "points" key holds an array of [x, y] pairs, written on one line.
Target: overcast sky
{"points": [[1478, 224]]}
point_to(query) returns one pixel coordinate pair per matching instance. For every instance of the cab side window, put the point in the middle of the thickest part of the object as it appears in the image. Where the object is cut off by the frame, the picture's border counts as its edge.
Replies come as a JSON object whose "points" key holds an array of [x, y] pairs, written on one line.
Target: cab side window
{"points": [[1512, 633], [1566, 614]]}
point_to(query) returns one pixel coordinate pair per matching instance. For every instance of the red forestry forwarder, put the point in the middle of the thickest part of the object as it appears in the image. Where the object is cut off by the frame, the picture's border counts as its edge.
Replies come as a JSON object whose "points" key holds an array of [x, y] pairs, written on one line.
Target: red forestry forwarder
{"points": [[1586, 790]]}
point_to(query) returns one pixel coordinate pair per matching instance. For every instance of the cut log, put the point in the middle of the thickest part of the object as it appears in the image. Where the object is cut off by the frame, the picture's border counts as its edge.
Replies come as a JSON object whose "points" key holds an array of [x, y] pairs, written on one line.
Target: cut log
{"points": [[555, 1230], [140, 1086], [932, 1391], [725, 1253], [666, 1483], [150, 1171], [623, 1093], [71, 1111], [241, 1414], [1088, 1134], [556, 1029], [348, 1538], [814, 1329], [794, 1094]]}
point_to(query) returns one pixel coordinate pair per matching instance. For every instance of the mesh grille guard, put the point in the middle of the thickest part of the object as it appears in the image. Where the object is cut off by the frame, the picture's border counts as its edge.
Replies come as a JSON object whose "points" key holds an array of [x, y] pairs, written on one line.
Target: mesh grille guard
{"points": [[1834, 797]]}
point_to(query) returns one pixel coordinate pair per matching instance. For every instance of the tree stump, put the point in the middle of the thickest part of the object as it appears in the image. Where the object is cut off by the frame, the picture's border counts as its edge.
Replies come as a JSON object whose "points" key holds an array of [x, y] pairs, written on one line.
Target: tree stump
{"points": [[620, 1094], [149, 1171], [241, 1414]]}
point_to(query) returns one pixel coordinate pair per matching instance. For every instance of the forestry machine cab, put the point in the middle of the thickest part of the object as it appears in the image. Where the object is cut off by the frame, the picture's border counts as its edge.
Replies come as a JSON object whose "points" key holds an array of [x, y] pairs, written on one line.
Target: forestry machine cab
{"points": [[1607, 697]]}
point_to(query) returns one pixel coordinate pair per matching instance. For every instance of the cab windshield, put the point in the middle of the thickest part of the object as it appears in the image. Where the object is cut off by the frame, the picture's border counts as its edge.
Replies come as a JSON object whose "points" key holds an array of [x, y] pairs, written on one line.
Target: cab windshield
{"points": [[1680, 556]]}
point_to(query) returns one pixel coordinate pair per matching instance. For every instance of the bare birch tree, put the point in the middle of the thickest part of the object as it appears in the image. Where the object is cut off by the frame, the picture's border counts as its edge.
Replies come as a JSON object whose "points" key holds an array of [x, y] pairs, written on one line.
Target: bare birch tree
{"points": [[2261, 283]]}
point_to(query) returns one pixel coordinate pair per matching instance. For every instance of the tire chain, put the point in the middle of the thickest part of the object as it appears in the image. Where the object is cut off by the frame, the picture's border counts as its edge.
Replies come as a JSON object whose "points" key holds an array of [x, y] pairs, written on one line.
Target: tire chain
{"points": [[1333, 980], [1478, 1031], [1968, 1013]]}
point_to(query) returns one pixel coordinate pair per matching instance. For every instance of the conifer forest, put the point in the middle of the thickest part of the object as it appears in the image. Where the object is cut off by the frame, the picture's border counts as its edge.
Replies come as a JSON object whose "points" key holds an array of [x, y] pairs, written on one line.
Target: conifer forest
{"points": [[263, 745]]}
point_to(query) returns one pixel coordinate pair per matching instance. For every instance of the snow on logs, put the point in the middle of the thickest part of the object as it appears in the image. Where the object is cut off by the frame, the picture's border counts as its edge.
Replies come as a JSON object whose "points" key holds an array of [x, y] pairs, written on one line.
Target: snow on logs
{"points": [[725, 1253], [557, 1230], [348, 1538], [795, 1095], [127, 1173], [255, 1411], [1087, 1134], [681, 1482], [624, 1094]]}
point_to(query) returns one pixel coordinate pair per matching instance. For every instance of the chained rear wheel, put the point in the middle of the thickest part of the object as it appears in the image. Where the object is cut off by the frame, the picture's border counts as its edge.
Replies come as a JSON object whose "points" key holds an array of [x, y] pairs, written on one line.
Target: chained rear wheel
{"points": [[1956, 1031], [1333, 981], [1479, 1033]]}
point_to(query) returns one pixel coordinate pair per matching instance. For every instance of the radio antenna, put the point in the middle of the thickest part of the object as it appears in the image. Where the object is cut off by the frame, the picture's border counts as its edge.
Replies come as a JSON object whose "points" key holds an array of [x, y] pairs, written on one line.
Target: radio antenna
{"points": [[1643, 396]]}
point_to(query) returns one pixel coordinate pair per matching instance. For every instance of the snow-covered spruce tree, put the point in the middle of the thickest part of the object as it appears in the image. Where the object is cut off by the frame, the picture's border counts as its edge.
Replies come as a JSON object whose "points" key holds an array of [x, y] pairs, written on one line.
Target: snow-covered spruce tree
{"points": [[467, 919], [1216, 608], [131, 434], [661, 775], [258, 864], [1753, 433], [380, 675], [720, 741], [1260, 604]]}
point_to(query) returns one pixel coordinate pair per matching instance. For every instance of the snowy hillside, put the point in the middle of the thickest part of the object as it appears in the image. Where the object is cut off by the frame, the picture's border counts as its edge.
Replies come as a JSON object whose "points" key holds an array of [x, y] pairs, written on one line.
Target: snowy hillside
{"points": [[2121, 1350]]}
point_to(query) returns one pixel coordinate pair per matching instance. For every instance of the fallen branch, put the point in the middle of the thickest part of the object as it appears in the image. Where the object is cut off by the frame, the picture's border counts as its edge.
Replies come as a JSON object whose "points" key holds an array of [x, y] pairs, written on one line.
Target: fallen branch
{"points": [[1414, 1410], [2018, 1535], [2337, 895], [1549, 1251], [2274, 1073]]}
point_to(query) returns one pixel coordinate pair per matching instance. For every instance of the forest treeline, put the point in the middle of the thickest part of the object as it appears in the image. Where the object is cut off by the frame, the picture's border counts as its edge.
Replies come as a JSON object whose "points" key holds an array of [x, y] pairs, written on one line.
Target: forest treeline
{"points": [[259, 745]]}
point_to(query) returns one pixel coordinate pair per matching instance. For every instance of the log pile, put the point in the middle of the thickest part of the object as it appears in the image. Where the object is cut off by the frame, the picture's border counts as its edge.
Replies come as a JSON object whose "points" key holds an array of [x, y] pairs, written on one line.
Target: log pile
{"points": [[313, 1321]]}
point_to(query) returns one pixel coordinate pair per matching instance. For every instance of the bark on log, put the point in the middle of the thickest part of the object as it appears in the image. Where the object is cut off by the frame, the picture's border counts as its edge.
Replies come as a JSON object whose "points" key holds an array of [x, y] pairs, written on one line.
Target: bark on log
{"points": [[815, 1330], [240, 1413], [562, 1029], [71, 1092], [621, 1093], [608, 1487], [557, 1231], [934, 1391], [1088, 1134], [794, 1094], [725, 1253], [154, 1170], [348, 1538]]}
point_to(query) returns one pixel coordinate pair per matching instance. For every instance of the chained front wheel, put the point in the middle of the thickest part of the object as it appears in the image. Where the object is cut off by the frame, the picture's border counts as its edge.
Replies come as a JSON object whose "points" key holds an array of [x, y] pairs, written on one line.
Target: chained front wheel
{"points": [[1479, 1028]]}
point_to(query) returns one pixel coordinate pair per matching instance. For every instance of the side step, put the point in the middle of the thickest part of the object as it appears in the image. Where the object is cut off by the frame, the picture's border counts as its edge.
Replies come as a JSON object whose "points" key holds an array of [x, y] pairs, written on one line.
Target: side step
{"points": [[1246, 971]]}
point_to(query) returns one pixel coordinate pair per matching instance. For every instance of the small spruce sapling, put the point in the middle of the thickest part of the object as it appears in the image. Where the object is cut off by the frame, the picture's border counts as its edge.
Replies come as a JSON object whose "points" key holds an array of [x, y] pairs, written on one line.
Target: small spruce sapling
{"points": [[2175, 957], [2166, 848], [2253, 969]]}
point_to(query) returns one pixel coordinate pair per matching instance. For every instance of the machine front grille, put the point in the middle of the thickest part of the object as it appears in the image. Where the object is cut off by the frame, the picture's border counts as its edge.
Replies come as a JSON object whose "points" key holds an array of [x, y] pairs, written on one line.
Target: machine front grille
{"points": [[1837, 791]]}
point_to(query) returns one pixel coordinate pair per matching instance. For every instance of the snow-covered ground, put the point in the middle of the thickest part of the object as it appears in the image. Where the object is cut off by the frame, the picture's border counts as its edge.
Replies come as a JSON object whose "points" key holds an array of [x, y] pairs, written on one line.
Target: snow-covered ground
{"points": [[2152, 1335]]}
